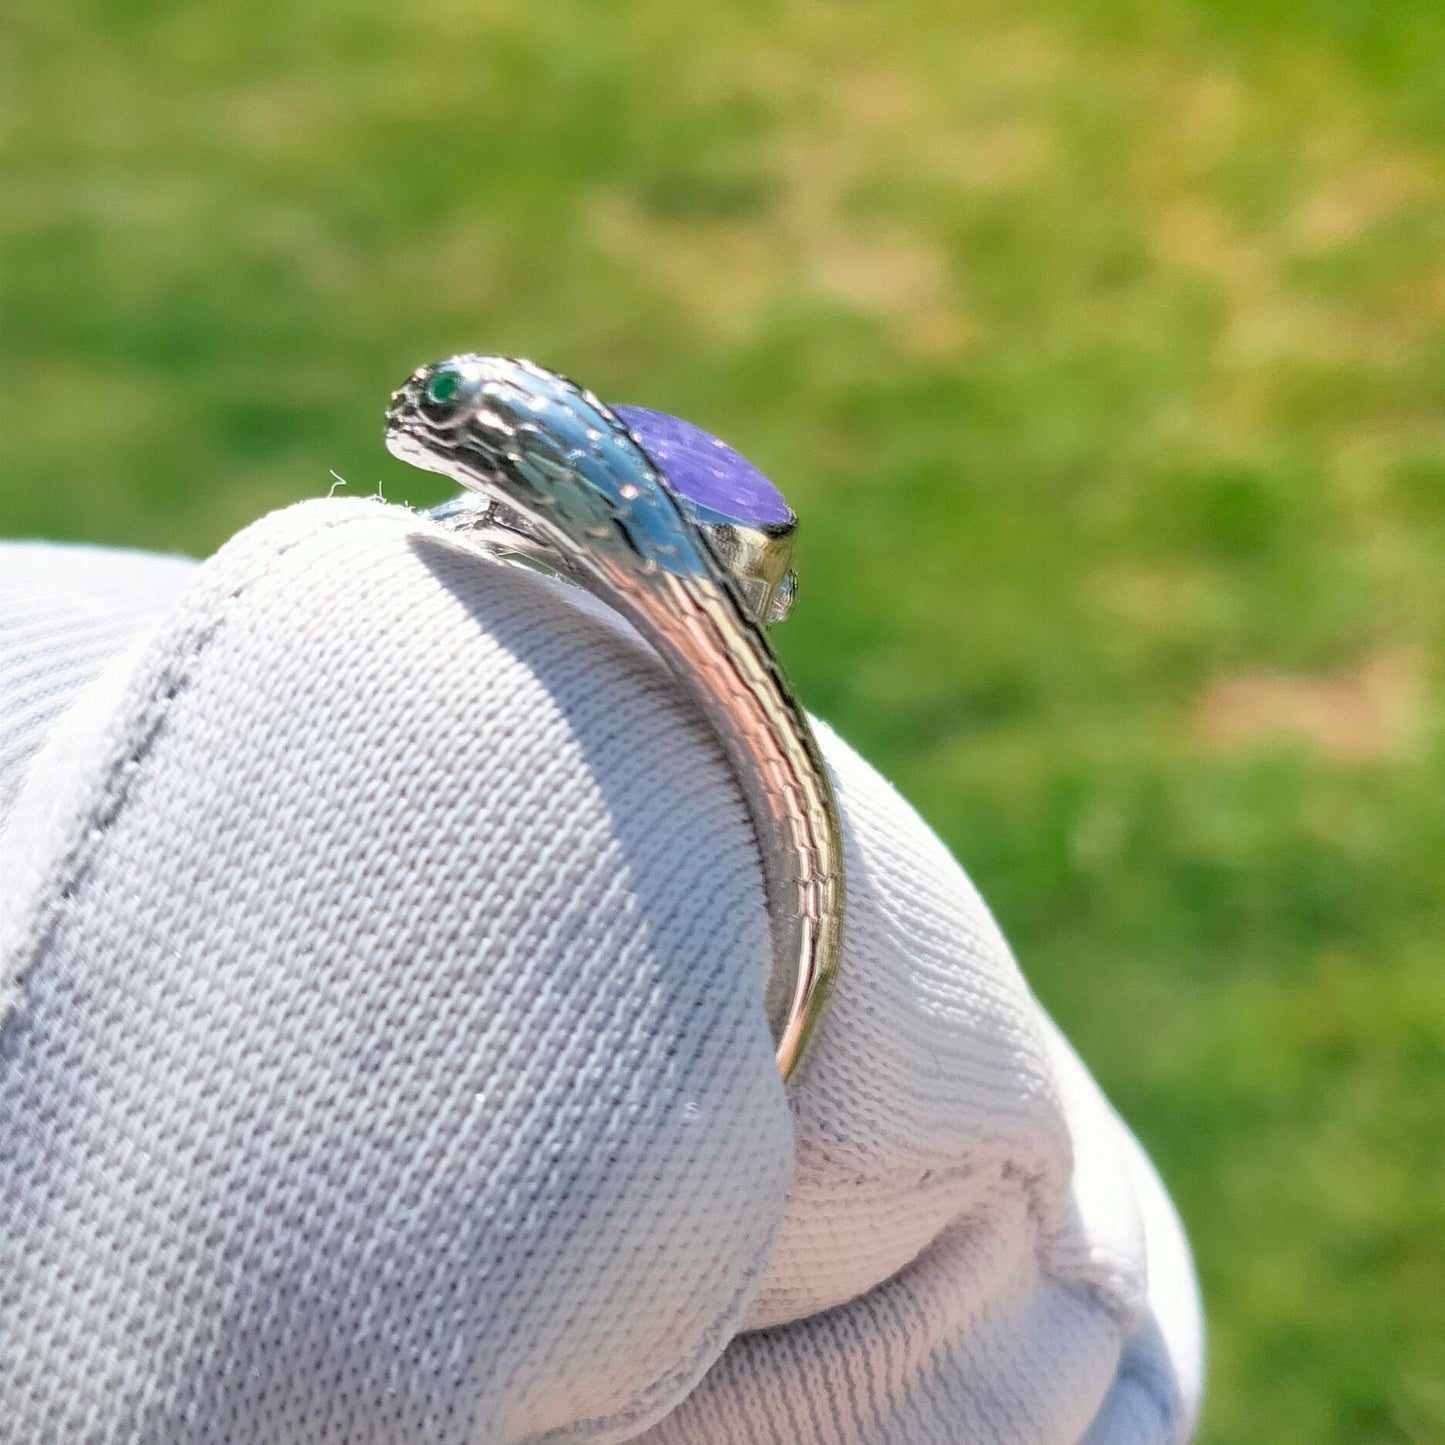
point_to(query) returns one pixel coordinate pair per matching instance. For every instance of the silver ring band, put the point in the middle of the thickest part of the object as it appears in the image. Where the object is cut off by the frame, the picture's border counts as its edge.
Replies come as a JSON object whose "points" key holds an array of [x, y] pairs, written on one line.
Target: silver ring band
{"points": [[559, 480]]}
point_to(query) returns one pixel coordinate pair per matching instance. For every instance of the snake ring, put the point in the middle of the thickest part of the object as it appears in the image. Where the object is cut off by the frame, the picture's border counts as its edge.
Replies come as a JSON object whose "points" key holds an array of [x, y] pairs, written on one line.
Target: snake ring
{"points": [[693, 546]]}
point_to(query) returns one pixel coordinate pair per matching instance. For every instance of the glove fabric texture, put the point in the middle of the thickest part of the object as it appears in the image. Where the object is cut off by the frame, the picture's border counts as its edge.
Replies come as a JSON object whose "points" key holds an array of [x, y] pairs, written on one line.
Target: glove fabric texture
{"points": [[383, 1058]]}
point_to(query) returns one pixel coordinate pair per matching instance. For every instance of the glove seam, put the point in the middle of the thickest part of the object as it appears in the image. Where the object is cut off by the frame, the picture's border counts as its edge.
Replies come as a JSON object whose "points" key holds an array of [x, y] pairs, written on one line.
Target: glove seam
{"points": [[113, 786]]}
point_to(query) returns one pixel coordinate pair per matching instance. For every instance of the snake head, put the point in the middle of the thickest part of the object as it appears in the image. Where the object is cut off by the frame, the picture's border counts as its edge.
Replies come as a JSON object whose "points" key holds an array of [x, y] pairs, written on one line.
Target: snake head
{"points": [[541, 445], [431, 416]]}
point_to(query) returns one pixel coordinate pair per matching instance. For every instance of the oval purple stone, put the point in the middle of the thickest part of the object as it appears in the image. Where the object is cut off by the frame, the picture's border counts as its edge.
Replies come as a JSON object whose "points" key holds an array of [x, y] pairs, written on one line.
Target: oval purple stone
{"points": [[705, 470]]}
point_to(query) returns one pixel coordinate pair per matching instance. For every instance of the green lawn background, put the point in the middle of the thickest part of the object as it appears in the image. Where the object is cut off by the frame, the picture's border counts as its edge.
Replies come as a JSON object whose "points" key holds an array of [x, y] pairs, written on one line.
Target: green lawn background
{"points": [[1101, 345]]}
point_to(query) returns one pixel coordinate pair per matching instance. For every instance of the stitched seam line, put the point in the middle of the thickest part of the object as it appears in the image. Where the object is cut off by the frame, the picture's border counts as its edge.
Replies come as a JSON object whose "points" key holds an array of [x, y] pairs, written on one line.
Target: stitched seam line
{"points": [[114, 788]]}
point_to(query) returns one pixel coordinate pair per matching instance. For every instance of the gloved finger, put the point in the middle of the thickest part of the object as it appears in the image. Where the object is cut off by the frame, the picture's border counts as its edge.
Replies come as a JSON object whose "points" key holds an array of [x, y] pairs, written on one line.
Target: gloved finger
{"points": [[386, 1058], [954, 1233]]}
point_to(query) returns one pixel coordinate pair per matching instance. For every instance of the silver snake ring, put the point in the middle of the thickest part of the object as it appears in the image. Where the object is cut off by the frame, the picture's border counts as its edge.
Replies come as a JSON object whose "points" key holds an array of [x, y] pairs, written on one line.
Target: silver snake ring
{"points": [[693, 546]]}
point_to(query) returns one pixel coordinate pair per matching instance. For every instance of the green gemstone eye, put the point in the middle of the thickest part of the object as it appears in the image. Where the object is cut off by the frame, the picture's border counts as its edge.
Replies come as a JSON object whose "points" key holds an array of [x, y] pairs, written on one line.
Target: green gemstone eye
{"points": [[442, 387]]}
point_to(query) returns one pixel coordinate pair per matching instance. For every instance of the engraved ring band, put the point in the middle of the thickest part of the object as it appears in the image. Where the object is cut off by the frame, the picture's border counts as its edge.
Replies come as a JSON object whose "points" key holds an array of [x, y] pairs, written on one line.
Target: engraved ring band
{"points": [[693, 546]]}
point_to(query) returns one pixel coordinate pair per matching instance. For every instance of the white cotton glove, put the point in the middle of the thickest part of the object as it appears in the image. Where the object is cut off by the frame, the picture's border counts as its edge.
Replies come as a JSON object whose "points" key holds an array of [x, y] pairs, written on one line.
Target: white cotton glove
{"points": [[384, 1056]]}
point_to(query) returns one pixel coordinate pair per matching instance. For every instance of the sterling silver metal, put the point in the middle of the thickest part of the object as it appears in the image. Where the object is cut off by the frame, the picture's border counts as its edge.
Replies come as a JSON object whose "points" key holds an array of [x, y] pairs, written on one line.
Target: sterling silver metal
{"points": [[554, 478]]}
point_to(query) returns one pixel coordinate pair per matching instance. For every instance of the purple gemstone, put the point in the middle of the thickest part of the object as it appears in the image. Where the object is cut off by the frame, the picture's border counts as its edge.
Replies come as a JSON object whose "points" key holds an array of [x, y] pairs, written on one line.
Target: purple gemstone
{"points": [[706, 470]]}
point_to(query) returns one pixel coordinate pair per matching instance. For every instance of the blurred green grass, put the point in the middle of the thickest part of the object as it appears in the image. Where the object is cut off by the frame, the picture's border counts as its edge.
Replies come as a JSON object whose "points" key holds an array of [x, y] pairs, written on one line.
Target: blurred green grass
{"points": [[1101, 345]]}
